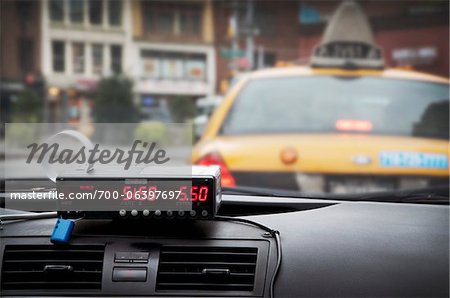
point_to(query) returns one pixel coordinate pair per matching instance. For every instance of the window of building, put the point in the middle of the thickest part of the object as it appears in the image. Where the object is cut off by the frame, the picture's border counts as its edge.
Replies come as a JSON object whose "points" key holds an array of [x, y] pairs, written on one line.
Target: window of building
{"points": [[164, 19], [26, 51], [115, 12], [56, 10], [78, 57], [148, 22], [116, 58], [76, 11], [97, 59], [190, 20], [165, 22], [58, 49], [95, 12]]}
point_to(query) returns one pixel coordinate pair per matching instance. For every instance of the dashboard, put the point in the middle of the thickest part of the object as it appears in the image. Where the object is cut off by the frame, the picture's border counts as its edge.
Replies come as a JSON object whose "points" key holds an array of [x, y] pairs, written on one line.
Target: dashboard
{"points": [[329, 249]]}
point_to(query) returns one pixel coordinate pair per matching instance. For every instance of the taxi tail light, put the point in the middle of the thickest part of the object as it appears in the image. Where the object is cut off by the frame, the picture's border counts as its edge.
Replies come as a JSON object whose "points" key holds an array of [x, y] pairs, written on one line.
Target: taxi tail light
{"points": [[215, 159]]}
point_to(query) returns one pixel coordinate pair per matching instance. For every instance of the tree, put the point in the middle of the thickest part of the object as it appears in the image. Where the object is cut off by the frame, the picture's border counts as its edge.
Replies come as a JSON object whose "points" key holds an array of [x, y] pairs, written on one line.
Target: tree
{"points": [[28, 107], [114, 101], [182, 108]]}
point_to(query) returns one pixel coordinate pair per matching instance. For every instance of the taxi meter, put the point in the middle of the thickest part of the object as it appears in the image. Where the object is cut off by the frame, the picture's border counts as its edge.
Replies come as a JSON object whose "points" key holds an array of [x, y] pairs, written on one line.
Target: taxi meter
{"points": [[152, 193]]}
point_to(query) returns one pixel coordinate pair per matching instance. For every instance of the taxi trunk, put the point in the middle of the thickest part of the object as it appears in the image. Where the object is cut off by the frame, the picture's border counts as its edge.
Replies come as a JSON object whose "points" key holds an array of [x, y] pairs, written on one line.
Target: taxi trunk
{"points": [[335, 163]]}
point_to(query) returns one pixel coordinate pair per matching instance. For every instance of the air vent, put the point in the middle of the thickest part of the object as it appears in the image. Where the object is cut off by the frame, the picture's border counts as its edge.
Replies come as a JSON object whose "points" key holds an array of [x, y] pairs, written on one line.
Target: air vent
{"points": [[49, 267], [206, 268]]}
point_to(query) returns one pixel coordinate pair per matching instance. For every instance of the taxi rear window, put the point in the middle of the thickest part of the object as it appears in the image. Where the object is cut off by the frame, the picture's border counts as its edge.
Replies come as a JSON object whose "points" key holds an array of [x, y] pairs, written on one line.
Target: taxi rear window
{"points": [[340, 104]]}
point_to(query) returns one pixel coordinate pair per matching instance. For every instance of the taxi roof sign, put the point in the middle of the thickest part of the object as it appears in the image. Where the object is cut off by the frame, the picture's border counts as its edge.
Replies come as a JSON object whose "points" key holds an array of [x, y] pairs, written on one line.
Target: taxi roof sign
{"points": [[348, 41]]}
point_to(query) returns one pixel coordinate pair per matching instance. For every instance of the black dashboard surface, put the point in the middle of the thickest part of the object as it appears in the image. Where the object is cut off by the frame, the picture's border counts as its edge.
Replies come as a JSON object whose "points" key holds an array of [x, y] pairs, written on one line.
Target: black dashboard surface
{"points": [[354, 249]]}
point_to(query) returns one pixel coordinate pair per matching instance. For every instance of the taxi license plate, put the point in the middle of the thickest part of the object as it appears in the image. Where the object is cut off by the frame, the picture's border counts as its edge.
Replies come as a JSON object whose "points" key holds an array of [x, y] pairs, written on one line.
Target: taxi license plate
{"points": [[352, 186]]}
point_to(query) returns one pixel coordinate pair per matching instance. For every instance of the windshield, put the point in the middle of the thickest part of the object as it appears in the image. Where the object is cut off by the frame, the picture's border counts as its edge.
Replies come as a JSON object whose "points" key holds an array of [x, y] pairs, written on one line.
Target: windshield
{"points": [[340, 105], [293, 98]]}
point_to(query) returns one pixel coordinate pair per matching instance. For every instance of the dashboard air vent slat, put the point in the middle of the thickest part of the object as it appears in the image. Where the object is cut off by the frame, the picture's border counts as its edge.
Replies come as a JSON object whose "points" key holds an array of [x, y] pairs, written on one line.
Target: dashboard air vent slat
{"points": [[203, 268], [48, 267]]}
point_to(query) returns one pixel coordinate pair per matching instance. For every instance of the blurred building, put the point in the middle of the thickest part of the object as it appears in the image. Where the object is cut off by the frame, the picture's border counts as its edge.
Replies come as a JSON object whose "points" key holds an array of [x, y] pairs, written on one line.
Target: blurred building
{"points": [[82, 41], [20, 52], [413, 34], [185, 49], [173, 53], [254, 34]]}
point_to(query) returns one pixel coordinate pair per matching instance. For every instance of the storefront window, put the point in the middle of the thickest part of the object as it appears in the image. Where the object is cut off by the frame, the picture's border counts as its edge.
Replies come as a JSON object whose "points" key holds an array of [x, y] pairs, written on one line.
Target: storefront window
{"points": [[173, 66], [196, 68], [151, 64]]}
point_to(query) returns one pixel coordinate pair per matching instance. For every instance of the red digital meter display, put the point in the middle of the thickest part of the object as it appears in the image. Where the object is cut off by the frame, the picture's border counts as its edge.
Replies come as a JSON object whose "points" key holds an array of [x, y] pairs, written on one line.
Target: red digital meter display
{"points": [[191, 193]]}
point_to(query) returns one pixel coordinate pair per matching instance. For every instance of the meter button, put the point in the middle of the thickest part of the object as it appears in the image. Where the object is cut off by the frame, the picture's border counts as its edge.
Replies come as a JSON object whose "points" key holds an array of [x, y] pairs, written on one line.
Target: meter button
{"points": [[122, 257], [139, 257]]}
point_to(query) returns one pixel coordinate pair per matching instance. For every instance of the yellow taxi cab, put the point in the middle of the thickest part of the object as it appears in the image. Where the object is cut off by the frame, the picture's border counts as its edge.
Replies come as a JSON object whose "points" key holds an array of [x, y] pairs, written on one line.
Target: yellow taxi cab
{"points": [[344, 124]]}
